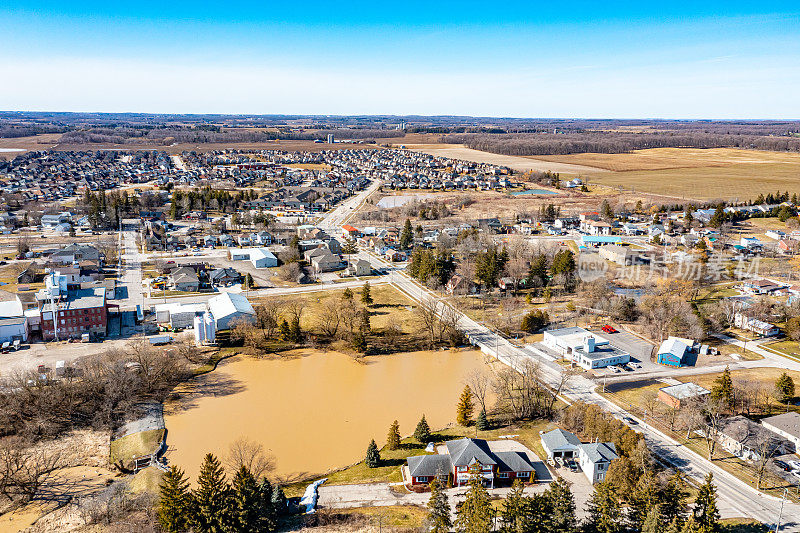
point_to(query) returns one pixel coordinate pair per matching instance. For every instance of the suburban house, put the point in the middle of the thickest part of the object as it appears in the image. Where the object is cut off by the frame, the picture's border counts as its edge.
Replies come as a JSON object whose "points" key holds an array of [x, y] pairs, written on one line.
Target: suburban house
{"points": [[618, 254], [460, 460], [584, 348], [674, 351], [73, 253], [787, 425], [760, 286], [594, 458], [748, 440], [458, 284], [224, 277], [595, 227], [326, 262], [765, 329], [359, 268], [184, 279], [675, 395]]}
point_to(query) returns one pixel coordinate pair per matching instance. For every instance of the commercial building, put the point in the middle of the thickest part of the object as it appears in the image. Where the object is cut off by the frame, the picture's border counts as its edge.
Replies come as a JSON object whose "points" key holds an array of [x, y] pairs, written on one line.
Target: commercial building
{"points": [[228, 309], [263, 258], [584, 348], [13, 322], [674, 351], [67, 311]]}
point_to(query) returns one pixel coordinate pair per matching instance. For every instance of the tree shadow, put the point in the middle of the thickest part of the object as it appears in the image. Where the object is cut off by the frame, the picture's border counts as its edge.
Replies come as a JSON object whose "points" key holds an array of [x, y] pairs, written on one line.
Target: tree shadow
{"points": [[188, 394]]}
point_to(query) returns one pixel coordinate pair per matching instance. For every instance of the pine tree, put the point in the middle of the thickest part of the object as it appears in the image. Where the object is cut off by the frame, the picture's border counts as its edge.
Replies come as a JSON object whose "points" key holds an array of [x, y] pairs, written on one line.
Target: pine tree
{"points": [[373, 458], [481, 423], [366, 295], [438, 509], [706, 513], [252, 504], [562, 507], [675, 494], [364, 325], [284, 330], [393, 438], [604, 510], [174, 505], [347, 294], [212, 498], [423, 432], [653, 521], [407, 236], [248, 281], [465, 407], [513, 513], [475, 514], [295, 333], [723, 388], [784, 388], [278, 500]]}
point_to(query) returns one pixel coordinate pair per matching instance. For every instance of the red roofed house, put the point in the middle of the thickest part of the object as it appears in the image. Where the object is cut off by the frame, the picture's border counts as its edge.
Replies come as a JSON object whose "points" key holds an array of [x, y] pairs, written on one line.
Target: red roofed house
{"points": [[349, 232]]}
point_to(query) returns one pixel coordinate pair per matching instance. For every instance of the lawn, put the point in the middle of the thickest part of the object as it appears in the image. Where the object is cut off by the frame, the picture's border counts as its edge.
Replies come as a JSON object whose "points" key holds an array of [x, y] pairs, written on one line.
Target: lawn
{"points": [[526, 433], [785, 347], [405, 516], [726, 173], [142, 443]]}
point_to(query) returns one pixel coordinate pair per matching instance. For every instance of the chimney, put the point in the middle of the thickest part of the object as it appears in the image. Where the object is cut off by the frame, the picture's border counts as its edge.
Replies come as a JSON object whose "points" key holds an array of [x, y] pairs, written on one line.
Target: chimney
{"points": [[588, 344]]}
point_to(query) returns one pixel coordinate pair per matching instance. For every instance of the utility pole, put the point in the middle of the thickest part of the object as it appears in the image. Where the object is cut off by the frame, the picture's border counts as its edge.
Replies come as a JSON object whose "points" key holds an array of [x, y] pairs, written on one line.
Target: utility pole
{"points": [[780, 514]]}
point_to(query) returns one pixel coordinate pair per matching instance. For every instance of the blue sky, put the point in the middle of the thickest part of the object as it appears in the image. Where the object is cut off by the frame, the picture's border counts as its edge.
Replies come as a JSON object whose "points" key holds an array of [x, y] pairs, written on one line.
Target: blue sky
{"points": [[525, 59]]}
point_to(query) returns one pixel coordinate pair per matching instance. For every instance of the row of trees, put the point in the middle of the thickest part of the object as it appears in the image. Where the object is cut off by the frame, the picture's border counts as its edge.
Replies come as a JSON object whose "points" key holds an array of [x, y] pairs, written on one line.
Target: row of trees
{"points": [[554, 511], [248, 504]]}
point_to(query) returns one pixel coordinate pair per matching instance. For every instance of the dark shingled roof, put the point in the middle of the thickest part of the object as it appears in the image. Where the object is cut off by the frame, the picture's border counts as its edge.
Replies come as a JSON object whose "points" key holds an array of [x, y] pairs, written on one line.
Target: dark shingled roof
{"points": [[513, 462], [429, 465]]}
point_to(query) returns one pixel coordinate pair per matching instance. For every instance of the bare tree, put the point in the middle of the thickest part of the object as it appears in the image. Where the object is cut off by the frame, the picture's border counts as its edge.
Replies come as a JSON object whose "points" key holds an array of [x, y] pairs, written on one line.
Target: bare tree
{"points": [[428, 314], [250, 454], [479, 382], [330, 318]]}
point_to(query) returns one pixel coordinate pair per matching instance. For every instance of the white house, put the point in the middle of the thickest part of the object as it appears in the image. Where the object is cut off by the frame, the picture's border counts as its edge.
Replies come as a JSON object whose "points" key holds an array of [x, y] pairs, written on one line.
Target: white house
{"points": [[765, 329], [594, 458]]}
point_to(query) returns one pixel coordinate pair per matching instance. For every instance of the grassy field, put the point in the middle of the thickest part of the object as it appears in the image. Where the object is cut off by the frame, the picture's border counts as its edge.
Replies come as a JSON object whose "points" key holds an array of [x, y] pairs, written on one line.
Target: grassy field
{"points": [[142, 443], [404, 516], [724, 173]]}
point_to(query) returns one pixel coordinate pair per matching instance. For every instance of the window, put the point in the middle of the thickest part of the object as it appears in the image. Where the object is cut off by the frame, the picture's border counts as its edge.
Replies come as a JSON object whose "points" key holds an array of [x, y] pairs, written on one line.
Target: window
{"points": [[502, 475], [422, 479], [523, 474]]}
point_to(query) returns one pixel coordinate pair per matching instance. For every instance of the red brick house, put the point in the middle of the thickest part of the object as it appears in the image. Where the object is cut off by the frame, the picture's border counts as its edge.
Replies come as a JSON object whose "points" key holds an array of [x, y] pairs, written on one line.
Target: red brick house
{"points": [[466, 458]]}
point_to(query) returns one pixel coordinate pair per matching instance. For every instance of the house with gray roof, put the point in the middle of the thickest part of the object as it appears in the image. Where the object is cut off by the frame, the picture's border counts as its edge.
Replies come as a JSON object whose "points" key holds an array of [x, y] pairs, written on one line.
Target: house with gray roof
{"points": [[593, 458], [458, 461], [787, 425]]}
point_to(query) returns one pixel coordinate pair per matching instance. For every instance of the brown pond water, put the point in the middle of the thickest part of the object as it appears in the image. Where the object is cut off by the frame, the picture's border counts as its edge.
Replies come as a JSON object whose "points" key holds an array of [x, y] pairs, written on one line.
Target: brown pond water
{"points": [[316, 412]]}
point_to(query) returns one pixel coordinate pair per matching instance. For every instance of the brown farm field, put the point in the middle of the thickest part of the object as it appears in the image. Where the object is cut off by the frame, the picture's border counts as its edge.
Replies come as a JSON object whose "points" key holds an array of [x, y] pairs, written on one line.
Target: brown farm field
{"points": [[718, 173], [34, 142]]}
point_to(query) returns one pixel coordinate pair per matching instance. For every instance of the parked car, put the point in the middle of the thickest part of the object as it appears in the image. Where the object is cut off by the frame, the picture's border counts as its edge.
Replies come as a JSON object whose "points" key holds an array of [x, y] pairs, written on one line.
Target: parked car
{"points": [[629, 420], [782, 465], [609, 329], [794, 465], [615, 369], [634, 365]]}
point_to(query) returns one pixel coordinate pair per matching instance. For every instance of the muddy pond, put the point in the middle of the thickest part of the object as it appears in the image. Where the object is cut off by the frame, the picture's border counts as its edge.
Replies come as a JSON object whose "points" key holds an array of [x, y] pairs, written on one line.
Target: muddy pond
{"points": [[317, 411]]}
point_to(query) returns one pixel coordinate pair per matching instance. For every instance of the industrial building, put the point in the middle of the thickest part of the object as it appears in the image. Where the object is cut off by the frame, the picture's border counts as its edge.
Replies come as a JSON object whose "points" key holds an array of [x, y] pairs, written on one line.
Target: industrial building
{"points": [[584, 348]]}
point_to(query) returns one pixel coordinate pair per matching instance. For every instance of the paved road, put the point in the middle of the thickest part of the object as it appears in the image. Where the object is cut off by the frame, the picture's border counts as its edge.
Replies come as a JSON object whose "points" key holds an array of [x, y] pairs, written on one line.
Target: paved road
{"points": [[131, 264], [334, 219], [736, 498]]}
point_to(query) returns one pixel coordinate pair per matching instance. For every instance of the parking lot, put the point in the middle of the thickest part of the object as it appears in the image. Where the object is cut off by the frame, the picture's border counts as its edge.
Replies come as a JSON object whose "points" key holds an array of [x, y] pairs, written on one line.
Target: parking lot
{"points": [[639, 350]]}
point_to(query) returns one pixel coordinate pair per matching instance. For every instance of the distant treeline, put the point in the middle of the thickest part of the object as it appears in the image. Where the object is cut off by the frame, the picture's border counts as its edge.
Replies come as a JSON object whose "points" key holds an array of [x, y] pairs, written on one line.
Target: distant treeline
{"points": [[614, 142], [210, 134], [12, 131]]}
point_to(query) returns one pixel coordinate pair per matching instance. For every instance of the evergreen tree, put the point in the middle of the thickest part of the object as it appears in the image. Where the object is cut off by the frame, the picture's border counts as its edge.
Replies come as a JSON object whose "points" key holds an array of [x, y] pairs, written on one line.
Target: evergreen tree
{"points": [[373, 458], [562, 507], [653, 522], [537, 273], [406, 236], [674, 496], [248, 281], [364, 325], [278, 499], [706, 513], [784, 388], [645, 496], [393, 438], [465, 407], [422, 432], [366, 295], [285, 330], [212, 498], [295, 333], [475, 514], [604, 511], [438, 509], [252, 504], [347, 294], [605, 210], [481, 423], [174, 505], [723, 388], [514, 509]]}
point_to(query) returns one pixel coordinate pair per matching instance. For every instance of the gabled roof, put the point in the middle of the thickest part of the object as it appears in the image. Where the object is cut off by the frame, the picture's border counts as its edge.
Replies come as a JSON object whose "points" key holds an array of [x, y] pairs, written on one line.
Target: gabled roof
{"points": [[463, 451], [513, 462], [429, 465], [559, 439], [600, 452]]}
